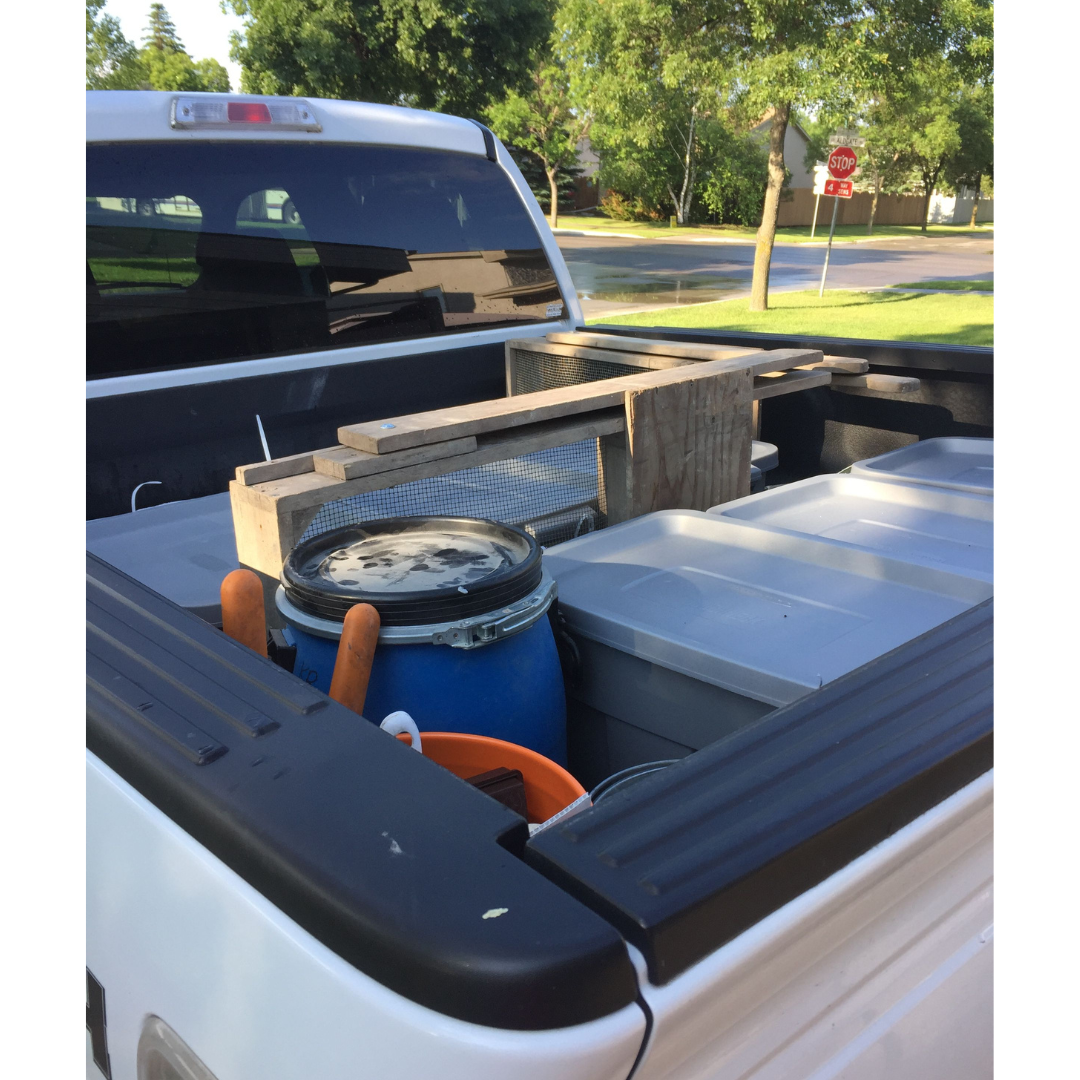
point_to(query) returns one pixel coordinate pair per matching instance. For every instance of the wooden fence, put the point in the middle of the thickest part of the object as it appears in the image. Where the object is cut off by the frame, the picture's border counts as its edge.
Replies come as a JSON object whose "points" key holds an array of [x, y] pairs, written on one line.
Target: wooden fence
{"points": [[891, 209]]}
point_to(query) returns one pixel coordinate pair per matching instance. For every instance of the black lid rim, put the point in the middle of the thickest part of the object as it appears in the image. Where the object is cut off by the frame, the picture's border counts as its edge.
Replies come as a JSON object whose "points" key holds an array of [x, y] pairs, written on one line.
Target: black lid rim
{"points": [[499, 589]]}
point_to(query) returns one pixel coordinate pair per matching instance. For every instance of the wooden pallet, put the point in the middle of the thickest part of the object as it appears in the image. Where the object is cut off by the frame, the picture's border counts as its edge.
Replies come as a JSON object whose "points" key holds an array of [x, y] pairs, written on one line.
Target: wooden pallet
{"points": [[672, 438]]}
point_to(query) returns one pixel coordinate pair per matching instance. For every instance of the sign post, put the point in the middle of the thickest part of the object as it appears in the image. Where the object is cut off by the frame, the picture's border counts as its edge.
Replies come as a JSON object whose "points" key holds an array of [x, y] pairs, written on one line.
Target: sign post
{"points": [[841, 164], [820, 175]]}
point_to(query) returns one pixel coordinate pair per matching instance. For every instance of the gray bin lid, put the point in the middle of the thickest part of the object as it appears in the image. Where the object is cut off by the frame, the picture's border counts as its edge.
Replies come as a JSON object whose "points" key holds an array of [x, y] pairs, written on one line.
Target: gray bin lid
{"points": [[764, 455], [764, 614], [182, 550], [958, 463], [921, 524]]}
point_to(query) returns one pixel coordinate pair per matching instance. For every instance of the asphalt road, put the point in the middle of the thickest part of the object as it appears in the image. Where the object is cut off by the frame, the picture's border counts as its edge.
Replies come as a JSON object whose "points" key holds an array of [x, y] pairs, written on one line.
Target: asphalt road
{"points": [[615, 275]]}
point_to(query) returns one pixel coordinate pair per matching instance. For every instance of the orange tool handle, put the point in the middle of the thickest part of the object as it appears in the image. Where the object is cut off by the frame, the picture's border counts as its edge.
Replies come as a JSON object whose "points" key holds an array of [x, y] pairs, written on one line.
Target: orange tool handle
{"points": [[356, 651], [243, 617]]}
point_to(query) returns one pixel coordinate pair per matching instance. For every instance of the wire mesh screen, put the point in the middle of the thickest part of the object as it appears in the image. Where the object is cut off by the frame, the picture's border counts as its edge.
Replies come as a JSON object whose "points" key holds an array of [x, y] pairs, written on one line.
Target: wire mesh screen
{"points": [[553, 494], [544, 371]]}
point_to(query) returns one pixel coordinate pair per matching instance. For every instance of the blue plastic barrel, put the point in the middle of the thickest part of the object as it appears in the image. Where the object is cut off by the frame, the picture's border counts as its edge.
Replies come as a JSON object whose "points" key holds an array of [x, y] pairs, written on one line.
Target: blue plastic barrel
{"points": [[465, 645]]}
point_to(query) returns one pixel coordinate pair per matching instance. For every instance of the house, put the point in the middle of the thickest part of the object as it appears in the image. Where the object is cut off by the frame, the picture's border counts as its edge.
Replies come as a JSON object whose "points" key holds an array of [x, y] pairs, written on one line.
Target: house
{"points": [[796, 143]]}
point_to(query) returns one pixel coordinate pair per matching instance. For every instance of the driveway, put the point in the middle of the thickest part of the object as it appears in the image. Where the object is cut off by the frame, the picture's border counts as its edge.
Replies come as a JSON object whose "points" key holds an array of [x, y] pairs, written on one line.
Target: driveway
{"points": [[617, 275]]}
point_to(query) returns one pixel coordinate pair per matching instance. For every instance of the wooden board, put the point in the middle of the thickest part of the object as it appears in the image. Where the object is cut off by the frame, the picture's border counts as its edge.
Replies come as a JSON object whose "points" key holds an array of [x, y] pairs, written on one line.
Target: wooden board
{"points": [[885, 384], [841, 364], [345, 463], [262, 471], [689, 443], [790, 382], [646, 361], [402, 432], [653, 346]]}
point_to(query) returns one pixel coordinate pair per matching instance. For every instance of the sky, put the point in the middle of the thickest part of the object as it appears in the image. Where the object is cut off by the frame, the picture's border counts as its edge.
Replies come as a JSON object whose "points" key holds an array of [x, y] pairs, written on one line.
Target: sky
{"points": [[200, 24]]}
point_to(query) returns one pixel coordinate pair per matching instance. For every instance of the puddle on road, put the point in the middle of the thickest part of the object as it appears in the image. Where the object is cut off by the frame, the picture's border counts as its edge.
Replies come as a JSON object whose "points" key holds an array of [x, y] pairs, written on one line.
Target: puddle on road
{"points": [[612, 286]]}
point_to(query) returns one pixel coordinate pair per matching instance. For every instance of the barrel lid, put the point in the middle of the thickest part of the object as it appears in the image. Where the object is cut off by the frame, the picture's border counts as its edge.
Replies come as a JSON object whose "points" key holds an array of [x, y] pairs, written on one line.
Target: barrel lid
{"points": [[413, 570]]}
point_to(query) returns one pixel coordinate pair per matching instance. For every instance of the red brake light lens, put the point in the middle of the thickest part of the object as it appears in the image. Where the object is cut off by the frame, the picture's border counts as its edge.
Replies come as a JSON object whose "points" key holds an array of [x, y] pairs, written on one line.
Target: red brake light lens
{"points": [[248, 112]]}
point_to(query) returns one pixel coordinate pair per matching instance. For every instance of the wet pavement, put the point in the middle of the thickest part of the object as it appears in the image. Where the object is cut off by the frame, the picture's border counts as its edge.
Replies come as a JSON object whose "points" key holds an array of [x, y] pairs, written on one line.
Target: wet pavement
{"points": [[619, 275]]}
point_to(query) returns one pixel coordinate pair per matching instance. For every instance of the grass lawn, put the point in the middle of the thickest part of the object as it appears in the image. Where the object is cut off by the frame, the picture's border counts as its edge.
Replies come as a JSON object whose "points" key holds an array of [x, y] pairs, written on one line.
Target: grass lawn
{"points": [[654, 230], [962, 320], [952, 286]]}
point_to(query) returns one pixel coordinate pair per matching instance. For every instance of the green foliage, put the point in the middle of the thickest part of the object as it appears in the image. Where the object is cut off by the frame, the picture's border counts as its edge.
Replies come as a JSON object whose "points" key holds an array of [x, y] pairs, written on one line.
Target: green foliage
{"points": [[735, 178], [532, 169], [112, 62], [973, 161], [542, 119], [161, 36], [628, 207], [666, 136], [451, 55], [167, 63]]}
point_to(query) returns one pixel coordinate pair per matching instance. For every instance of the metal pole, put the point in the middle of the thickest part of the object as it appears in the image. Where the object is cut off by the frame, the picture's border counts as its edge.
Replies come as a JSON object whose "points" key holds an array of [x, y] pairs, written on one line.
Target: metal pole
{"points": [[828, 250], [817, 203]]}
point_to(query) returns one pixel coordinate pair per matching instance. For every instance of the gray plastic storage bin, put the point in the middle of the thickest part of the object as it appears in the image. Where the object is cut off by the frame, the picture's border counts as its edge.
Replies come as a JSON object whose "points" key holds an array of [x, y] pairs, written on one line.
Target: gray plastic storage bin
{"points": [[921, 524], [959, 464], [688, 627], [182, 550]]}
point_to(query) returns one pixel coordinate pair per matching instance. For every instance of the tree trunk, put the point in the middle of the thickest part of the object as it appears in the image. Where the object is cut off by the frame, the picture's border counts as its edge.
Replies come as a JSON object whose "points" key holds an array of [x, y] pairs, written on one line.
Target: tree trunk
{"points": [[683, 206], [873, 203], [553, 214], [766, 234], [975, 200], [929, 182]]}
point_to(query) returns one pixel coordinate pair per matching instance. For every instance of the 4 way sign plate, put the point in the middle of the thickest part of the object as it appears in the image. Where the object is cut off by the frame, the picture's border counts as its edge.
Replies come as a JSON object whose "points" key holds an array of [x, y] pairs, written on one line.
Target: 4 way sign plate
{"points": [[844, 189]]}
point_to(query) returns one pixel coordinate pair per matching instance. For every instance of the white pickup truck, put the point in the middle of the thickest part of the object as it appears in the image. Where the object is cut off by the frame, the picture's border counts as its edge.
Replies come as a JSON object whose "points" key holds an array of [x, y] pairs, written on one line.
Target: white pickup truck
{"points": [[276, 891]]}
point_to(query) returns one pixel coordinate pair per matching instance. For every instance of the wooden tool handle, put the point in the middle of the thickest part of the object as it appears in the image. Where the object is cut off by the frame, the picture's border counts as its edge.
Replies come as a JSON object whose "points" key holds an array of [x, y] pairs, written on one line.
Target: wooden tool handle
{"points": [[356, 651], [243, 617]]}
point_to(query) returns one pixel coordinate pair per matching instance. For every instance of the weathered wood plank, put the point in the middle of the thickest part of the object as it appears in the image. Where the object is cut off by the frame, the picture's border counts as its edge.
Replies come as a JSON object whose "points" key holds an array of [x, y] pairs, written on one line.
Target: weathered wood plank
{"points": [[690, 443], [402, 432], [265, 532], [885, 384], [654, 361], [262, 471], [789, 383], [650, 346], [842, 364], [345, 463]]}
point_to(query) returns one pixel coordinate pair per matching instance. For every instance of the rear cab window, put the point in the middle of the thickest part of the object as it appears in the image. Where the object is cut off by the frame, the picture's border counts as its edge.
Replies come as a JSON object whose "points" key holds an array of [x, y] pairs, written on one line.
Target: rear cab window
{"points": [[209, 252]]}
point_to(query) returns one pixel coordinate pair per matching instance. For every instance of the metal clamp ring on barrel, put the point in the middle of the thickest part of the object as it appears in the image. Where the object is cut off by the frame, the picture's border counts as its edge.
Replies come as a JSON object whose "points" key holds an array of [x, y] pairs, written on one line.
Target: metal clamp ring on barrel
{"points": [[465, 634]]}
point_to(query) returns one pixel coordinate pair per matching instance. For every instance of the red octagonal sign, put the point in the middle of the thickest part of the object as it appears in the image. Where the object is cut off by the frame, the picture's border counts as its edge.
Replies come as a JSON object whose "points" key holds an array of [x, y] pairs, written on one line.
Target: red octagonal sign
{"points": [[842, 162]]}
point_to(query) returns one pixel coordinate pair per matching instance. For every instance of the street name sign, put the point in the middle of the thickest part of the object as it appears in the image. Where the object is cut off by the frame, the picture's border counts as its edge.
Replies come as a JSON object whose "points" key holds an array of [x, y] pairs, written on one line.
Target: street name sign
{"points": [[843, 189], [842, 162], [843, 138]]}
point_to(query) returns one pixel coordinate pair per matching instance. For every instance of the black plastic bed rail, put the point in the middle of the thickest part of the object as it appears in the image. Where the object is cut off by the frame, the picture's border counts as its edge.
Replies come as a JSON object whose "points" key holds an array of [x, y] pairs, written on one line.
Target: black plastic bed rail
{"points": [[382, 855], [691, 857]]}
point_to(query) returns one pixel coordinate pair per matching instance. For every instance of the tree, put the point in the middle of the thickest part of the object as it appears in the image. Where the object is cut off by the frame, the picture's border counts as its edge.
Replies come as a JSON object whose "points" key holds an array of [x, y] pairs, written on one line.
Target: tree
{"points": [[167, 63], [776, 56], [454, 56], [532, 169], [974, 160], [112, 62], [543, 121], [161, 36], [651, 108]]}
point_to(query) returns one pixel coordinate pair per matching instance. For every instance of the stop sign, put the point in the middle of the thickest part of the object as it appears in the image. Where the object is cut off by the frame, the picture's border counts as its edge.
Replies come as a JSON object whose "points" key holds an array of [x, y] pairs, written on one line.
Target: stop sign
{"points": [[842, 162]]}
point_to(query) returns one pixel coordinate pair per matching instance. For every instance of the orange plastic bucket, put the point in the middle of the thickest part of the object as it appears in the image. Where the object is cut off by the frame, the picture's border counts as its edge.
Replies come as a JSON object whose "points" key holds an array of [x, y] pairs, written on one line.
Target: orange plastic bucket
{"points": [[549, 788]]}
